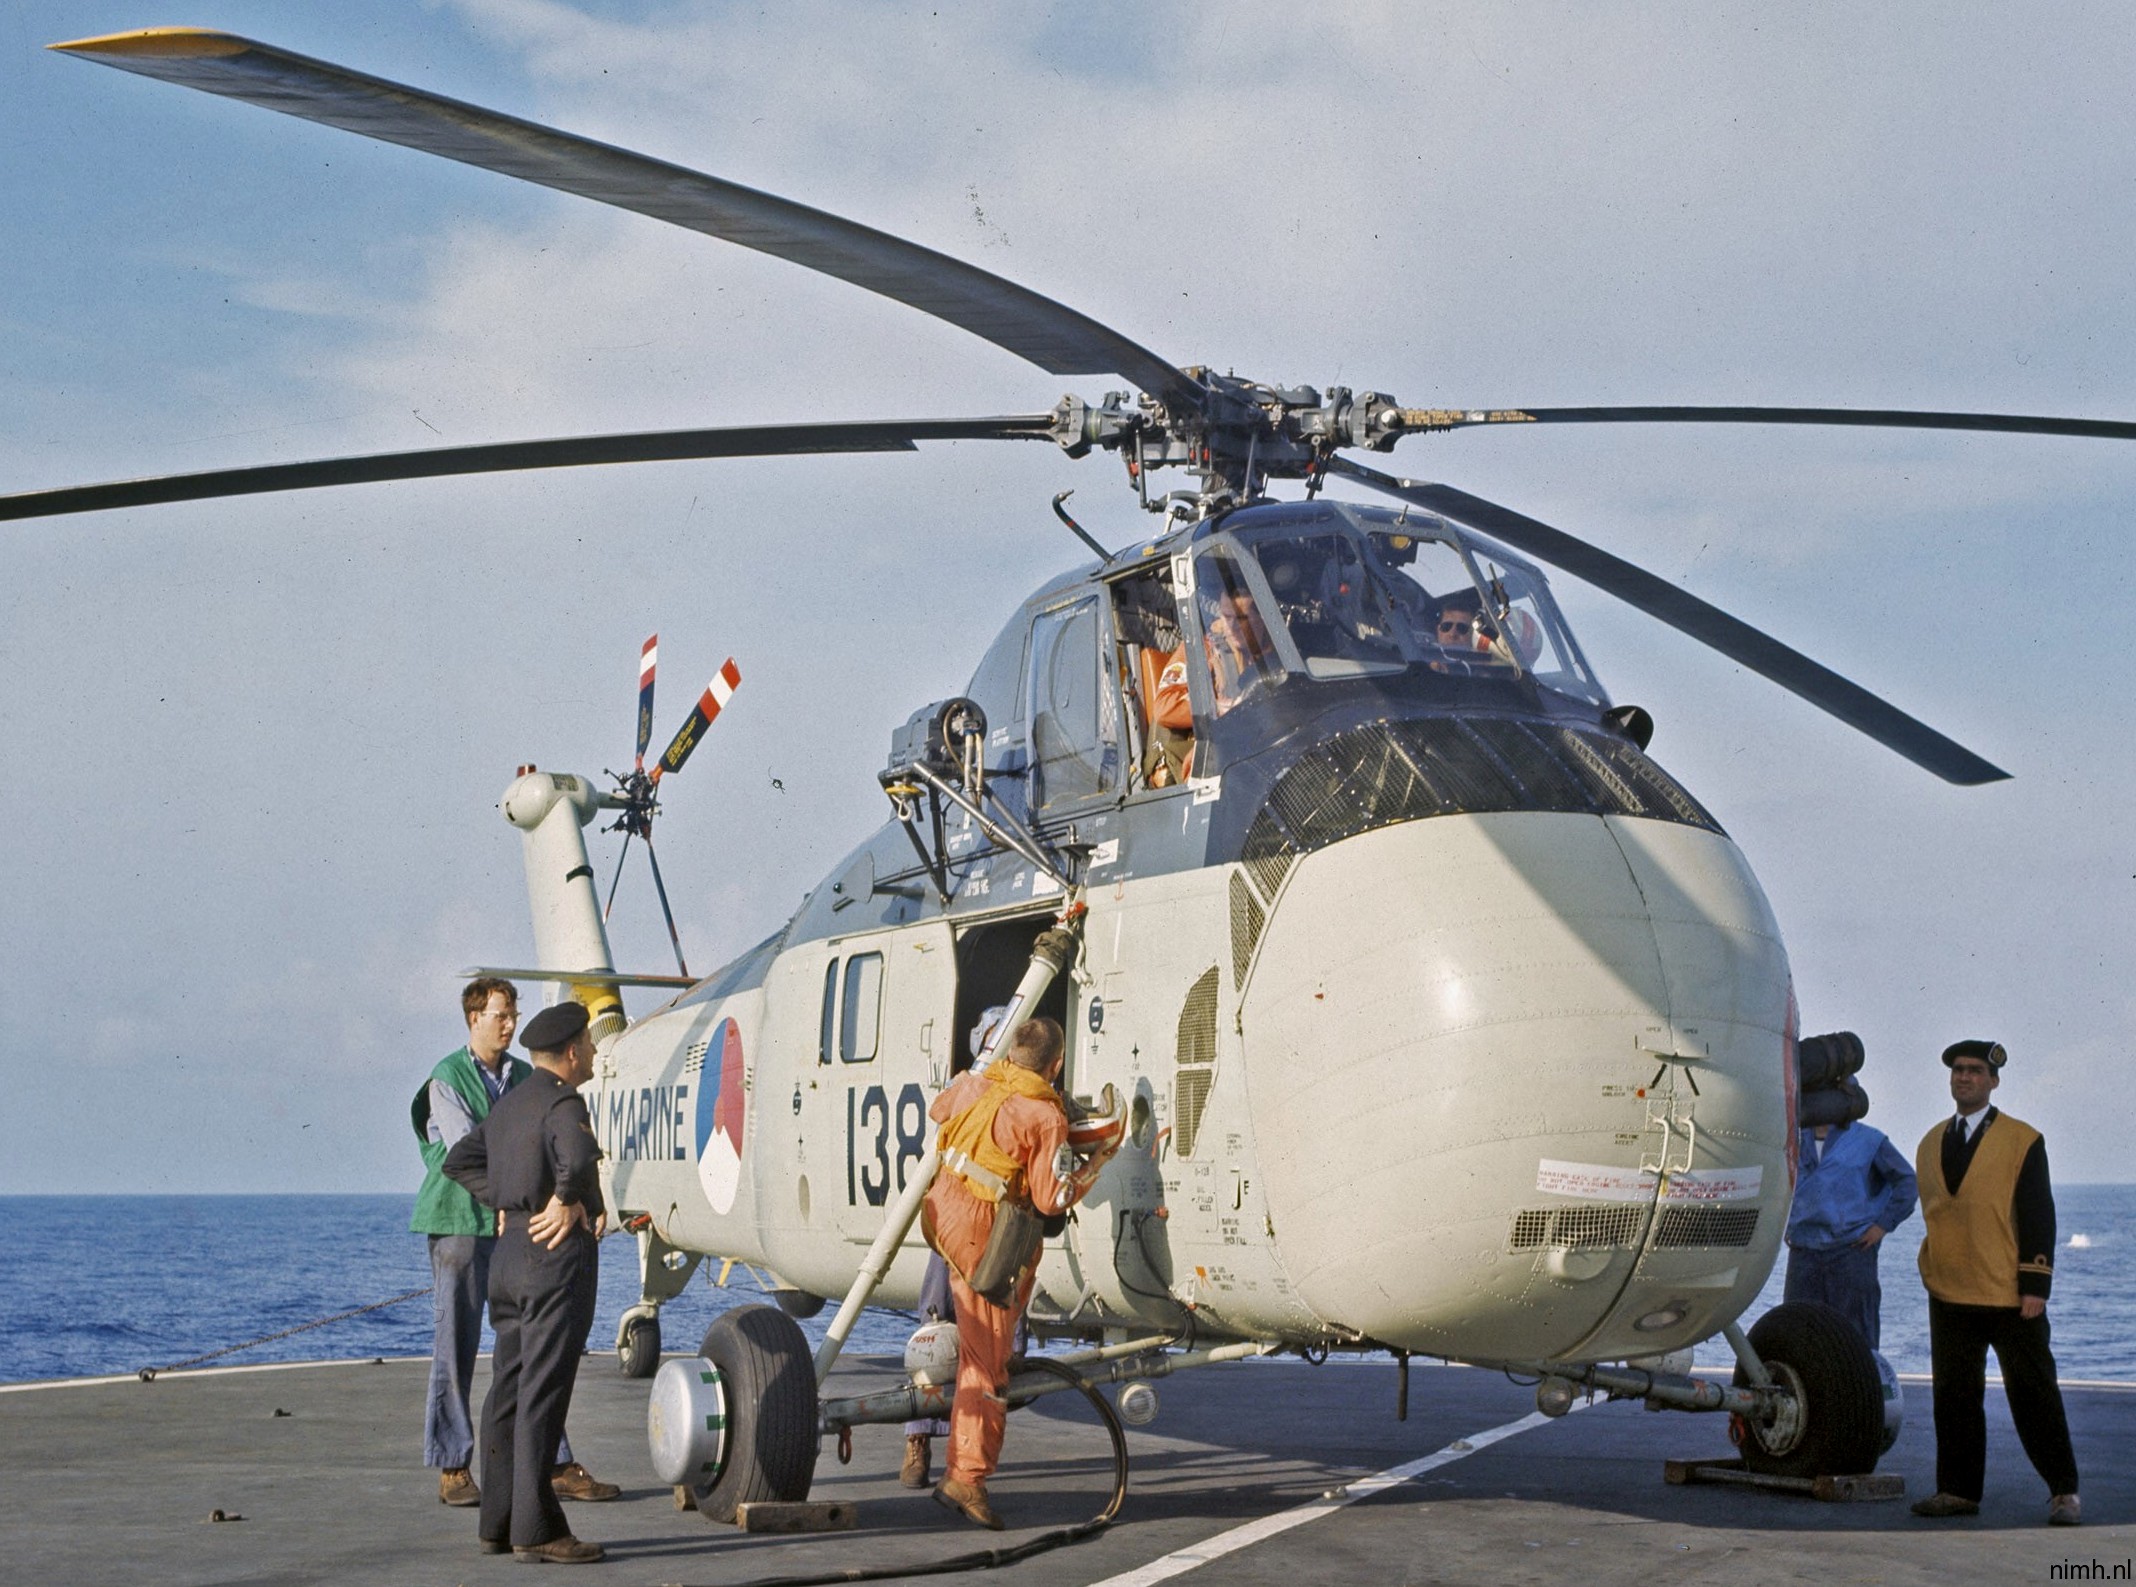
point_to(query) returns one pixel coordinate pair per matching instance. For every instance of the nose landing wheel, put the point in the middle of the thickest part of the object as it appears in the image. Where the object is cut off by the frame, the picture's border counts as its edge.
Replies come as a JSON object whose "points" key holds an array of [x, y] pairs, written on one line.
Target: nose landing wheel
{"points": [[1831, 1422]]}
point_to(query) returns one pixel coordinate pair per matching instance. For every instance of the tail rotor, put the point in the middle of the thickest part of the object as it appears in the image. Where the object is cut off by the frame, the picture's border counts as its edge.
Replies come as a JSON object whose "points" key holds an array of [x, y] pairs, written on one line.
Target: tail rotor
{"points": [[640, 788]]}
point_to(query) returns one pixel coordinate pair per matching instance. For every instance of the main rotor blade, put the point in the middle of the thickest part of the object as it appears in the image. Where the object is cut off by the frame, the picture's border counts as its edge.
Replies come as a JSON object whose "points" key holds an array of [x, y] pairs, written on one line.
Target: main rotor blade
{"points": [[1049, 334], [648, 446], [1423, 419], [1708, 624]]}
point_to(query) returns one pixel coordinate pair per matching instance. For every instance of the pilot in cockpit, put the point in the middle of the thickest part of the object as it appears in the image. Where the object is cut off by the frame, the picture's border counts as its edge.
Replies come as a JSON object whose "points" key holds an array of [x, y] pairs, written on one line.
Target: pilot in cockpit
{"points": [[1237, 641], [1461, 631]]}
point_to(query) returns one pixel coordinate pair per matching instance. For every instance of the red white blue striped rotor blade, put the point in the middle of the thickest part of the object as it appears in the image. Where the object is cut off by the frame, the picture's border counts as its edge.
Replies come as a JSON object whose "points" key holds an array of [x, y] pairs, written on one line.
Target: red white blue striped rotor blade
{"points": [[717, 693], [648, 664]]}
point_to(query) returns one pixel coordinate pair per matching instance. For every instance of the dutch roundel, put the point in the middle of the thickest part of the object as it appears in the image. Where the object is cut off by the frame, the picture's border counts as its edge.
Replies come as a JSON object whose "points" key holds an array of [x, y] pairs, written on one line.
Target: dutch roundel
{"points": [[719, 1118]]}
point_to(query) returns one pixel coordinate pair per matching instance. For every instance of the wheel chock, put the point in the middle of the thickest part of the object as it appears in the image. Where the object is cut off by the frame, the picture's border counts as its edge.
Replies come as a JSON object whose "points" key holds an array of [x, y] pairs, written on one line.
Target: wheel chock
{"points": [[798, 1515], [1866, 1487]]}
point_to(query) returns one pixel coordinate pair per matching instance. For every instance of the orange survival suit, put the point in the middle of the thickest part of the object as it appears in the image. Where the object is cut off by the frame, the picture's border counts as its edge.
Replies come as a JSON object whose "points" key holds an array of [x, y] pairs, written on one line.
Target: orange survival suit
{"points": [[1004, 1134]]}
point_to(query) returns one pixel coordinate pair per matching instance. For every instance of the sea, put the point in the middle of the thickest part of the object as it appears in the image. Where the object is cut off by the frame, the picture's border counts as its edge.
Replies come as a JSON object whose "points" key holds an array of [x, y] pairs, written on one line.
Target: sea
{"points": [[98, 1285]]}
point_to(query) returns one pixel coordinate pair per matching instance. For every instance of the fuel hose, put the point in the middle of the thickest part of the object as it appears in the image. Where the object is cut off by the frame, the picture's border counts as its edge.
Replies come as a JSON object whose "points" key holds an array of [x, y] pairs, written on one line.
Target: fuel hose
{"points": [[990, 1558]]}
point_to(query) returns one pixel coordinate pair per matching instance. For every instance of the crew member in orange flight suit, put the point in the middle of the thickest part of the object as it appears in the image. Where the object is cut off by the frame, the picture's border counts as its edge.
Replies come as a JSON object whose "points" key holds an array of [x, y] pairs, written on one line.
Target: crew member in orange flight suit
{"points": [[1239, 652], [1004, 1138]]}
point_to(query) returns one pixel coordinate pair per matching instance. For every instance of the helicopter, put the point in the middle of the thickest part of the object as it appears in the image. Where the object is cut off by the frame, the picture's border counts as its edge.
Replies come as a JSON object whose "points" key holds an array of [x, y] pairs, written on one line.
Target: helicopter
{"points": [[1355, 746]]}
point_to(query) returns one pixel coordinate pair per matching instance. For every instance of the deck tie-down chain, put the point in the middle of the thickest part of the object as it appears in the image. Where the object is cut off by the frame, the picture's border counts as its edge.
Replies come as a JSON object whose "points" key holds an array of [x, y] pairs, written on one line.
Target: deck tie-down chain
{"points": [[148, 1374]]}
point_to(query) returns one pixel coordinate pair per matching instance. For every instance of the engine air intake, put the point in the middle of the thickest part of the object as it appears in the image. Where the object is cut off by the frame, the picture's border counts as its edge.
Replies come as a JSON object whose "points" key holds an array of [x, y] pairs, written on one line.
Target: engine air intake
{"points": [[1624, 1225]]}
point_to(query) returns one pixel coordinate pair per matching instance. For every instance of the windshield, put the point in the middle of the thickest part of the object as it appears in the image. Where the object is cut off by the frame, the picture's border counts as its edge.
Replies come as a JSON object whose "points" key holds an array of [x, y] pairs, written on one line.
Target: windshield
{"points": [[1334, 601]]}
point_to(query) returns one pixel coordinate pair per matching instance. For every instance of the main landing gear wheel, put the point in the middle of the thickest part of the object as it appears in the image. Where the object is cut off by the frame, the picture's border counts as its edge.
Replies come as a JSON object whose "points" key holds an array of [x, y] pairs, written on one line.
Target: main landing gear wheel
{"points": [[769, 1378], [638, 1352], [1836, 1424]]}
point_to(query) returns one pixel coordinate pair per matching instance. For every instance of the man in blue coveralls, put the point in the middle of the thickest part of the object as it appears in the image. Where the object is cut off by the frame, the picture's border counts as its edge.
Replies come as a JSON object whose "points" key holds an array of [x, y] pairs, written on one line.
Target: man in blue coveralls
{"points": [[1855, 1188]]}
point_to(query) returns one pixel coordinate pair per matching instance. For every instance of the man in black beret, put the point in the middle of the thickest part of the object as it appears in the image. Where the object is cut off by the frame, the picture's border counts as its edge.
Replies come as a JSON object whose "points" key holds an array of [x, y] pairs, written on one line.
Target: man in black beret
{"points": [[535, 1161], [1988, 1261], [462, 1235]]}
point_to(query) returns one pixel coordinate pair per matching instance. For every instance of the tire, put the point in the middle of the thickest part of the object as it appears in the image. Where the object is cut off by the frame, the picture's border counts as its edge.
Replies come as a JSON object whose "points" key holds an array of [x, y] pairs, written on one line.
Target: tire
{"points": [[638, 1355], [798, 1302], [770, 1381], [1840, 1429]]}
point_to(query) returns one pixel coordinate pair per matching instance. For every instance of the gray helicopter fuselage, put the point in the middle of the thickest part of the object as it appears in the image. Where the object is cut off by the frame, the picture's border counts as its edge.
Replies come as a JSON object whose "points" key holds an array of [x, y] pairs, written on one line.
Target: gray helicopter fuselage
{"points": [[1446, 1019]]}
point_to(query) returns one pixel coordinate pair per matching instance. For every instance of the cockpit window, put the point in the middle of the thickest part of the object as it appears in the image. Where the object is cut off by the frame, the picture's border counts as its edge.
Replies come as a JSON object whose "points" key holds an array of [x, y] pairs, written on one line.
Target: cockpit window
{"points": [[1339, 612], [1242, 654], [1075, 712], [1531, 632], [1333, 602]]}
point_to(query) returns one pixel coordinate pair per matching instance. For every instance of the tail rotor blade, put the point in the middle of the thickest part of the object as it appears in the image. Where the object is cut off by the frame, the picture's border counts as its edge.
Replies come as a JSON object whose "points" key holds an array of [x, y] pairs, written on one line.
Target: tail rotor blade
{"points": [[648, 664], [717, 693]]}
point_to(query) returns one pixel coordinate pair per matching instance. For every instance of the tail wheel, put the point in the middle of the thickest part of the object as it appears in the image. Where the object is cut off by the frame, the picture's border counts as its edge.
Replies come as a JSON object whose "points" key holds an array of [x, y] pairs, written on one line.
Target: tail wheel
{"points": [[638, 1352], [1835, 1426], [769, 1379]]}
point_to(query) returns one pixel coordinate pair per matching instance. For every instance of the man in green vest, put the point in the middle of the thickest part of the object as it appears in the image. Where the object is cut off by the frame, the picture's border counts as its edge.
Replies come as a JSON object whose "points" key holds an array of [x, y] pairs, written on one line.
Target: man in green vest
{"points": [[458, 1096], [1988, 1261]]}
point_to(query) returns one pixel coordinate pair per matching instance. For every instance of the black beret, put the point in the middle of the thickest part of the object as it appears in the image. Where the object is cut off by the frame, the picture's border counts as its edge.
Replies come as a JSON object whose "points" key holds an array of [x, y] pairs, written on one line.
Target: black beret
{"points": [[1988, 1052], [554, 1029]]}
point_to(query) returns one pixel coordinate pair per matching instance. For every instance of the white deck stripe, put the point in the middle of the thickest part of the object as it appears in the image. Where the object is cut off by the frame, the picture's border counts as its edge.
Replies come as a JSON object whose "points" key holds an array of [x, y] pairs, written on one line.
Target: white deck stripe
{"points": [[1183, 1560]]}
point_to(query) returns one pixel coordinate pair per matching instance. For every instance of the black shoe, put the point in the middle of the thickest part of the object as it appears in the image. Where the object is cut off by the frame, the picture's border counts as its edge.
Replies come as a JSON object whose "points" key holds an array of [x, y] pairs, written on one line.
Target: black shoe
{"points": [[494, 1545], [1941, 1506]]}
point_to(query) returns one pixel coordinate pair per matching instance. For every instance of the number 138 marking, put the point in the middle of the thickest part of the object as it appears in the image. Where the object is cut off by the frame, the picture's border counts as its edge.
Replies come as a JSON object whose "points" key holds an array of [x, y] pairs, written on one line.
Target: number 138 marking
{"points": [[869, 1118]]}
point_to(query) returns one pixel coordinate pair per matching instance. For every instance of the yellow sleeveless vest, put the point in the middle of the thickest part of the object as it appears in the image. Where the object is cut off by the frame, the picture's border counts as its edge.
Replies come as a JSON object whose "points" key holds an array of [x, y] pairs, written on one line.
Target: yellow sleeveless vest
{"points": [[967, 1139], [1969, 1254]]}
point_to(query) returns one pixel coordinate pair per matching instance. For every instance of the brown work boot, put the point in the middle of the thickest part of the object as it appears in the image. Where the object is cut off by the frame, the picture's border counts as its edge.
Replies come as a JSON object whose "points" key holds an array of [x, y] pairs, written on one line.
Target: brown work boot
{"points": [[1940, 1506], [576, 1482], [457, 1488], [969, 1497], [2065, 1510], [565, 1550], [918, 1458]]}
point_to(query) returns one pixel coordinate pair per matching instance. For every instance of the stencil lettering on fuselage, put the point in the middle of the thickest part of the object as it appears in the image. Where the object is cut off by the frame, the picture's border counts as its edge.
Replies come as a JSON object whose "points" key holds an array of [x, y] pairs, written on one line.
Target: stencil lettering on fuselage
{"points": [[646, 1124], [720, 1111]]}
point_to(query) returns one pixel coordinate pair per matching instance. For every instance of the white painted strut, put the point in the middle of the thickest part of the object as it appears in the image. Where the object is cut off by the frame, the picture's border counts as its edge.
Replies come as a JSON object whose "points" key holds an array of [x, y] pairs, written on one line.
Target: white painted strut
{"points": [[551, 810]]}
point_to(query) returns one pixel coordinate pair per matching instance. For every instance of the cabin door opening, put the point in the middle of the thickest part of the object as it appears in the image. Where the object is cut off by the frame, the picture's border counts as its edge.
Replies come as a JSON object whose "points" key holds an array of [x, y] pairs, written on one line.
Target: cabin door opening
{"points": [[991, 959]]}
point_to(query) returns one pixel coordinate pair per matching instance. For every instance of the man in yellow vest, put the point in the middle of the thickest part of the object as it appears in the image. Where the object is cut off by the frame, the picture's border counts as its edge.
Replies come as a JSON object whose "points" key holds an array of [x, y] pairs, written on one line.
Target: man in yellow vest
{"points": [[1988, 1261], [1005, 1157]]}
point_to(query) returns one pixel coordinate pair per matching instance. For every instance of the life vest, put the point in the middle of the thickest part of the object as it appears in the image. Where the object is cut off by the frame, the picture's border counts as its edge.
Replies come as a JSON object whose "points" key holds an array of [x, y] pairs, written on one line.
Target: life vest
{"points": [[967, 1139]]}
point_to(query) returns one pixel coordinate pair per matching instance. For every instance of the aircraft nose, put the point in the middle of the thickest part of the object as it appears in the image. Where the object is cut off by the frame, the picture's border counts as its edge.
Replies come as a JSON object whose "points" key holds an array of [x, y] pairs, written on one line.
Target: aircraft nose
{"points": [[1464, 1040]]}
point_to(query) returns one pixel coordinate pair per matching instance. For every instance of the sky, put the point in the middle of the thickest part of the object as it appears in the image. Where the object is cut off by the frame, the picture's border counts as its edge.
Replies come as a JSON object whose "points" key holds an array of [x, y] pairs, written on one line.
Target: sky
{"points": [[256, 746]]}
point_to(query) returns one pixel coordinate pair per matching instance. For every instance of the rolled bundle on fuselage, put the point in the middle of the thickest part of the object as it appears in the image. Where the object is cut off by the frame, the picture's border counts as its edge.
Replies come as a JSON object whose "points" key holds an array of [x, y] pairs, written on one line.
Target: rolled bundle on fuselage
{"points": [[1844, 1102], [1823, 1062]]}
